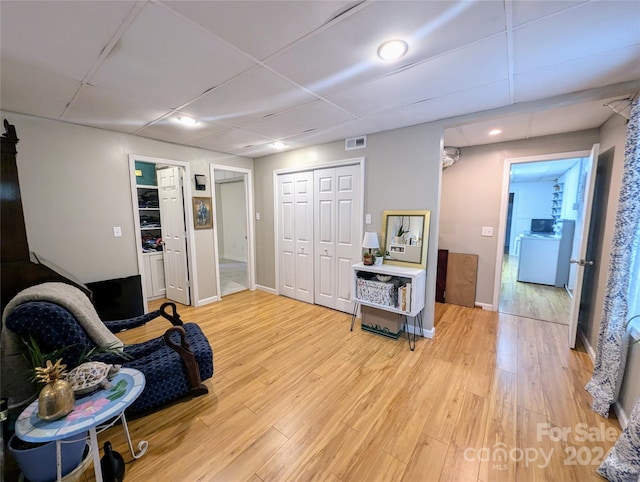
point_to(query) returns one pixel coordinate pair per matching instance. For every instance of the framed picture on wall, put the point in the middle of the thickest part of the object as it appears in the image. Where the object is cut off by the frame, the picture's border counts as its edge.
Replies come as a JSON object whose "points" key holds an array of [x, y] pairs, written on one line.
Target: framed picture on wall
{"points": [[202, 217]]}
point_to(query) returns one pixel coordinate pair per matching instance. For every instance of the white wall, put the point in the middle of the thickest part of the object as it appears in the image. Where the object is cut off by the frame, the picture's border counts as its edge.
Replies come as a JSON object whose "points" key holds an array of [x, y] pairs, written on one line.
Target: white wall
{"points": [[569, 180], [75, 187], [531, 200], [233, 220]]}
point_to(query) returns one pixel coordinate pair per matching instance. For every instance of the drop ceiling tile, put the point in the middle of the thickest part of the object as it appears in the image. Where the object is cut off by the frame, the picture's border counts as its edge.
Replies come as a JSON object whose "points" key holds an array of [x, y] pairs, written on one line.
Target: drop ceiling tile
{"points": [[251, 95], [524, 12], [571, 118], [34, 90], [512, 127], [169, 129], [434, 78], [316, 115], [62, 37], [454, 137], [598, 70], [333, 133], [563, 37], [345, 54], [232, 141], [257, 27], [164, 60], [473, 100], [98, 107]]}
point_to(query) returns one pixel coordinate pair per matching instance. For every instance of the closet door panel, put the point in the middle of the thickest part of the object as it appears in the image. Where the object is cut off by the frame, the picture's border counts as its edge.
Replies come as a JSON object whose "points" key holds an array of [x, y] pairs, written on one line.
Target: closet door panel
{"points": [[348, 225], [286, 235], [325, 228], [303, 229]]}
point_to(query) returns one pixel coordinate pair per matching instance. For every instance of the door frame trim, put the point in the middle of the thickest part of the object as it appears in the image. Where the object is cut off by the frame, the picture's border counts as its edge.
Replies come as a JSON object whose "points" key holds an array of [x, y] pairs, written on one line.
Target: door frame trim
{"points": [[504, 205], [190, 238], [360, 161], [251, 250]]}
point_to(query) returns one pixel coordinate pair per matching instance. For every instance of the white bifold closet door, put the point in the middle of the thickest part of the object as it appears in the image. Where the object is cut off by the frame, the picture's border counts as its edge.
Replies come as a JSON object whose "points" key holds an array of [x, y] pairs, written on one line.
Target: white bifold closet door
{"points": [[295, 235], [337, 214], [173, 234]]}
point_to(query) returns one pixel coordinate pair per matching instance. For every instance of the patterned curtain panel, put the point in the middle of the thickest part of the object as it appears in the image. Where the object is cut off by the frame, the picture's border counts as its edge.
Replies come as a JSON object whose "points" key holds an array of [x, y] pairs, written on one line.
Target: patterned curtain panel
{"points": [[622, 463], [622, 278]]}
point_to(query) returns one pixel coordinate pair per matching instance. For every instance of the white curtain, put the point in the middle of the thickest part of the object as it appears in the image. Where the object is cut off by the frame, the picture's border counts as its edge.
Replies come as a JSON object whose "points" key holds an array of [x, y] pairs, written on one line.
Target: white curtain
{"points": [[622, 463]]}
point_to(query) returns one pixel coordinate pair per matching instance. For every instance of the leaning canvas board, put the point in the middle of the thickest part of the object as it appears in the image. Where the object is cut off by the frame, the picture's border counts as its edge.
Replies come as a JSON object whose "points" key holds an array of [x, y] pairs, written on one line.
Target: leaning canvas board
{"points": [[462, 272]]}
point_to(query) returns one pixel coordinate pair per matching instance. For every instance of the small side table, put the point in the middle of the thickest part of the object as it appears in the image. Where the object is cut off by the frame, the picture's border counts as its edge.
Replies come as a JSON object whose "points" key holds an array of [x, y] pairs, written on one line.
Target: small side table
{"points": [[87, 415]]}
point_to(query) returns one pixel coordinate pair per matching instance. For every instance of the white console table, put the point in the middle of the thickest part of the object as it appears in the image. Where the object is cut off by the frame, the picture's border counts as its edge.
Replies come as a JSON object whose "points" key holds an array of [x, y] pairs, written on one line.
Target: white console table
{"points": [[402, 276]]}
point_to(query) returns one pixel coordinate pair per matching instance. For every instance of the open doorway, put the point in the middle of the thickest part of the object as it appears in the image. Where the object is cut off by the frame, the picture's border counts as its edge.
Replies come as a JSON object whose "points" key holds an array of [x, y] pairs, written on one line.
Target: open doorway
{"points": [[163, 228], [233, 233], [541, 235]]}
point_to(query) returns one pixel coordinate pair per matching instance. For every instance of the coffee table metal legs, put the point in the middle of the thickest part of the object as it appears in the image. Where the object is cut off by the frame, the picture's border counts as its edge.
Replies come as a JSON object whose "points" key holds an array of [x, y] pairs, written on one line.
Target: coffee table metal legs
{"points": [[143, 445]]}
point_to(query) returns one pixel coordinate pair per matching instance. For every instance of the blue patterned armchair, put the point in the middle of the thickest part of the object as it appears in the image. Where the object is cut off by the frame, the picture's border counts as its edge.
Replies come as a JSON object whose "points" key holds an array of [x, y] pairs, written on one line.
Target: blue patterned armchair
{"points": [[174, 365]]}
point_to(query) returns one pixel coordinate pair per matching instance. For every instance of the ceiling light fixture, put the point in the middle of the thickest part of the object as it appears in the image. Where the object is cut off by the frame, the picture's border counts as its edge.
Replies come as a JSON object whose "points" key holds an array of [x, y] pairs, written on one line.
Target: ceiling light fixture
{"points": [[187, 121], [279, 145], [392, 49], [495, 132]]}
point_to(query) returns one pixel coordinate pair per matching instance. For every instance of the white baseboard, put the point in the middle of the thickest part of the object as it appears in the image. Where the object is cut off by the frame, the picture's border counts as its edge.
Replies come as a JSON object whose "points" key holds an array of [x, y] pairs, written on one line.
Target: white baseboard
{"points": [[426, 333], [485, 306], [267, 289], [587, 345], [620, 413], [206, 301]]}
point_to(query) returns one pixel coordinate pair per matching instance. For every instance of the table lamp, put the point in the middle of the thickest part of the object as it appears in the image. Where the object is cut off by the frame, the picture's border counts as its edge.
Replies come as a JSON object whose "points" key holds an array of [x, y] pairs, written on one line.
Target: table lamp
{"points": [[370, 241]]}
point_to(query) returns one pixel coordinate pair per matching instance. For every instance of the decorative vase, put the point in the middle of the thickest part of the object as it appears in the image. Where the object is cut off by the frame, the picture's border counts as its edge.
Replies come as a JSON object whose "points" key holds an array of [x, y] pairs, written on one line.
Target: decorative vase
{"points": [[56, 397]]}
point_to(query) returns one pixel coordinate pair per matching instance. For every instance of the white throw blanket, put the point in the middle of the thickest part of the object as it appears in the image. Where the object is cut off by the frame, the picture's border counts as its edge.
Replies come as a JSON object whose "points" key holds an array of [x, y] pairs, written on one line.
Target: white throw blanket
{"points": [[76, 302]]}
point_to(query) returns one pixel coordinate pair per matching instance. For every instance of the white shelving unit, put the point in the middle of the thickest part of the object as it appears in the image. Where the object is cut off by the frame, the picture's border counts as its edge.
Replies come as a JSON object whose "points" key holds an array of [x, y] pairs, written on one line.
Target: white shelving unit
{"points": [[149, 216], [415, 276]]}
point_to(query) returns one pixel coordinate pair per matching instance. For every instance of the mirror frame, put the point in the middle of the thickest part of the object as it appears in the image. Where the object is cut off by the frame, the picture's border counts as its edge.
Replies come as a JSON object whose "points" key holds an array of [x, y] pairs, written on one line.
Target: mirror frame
{"points": [[425, 237]]}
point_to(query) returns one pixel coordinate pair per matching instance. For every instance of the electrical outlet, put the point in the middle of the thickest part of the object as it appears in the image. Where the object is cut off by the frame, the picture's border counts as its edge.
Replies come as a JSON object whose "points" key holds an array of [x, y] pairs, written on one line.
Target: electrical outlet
{"points": [[487, 231], [367, 218], [257, 216]]}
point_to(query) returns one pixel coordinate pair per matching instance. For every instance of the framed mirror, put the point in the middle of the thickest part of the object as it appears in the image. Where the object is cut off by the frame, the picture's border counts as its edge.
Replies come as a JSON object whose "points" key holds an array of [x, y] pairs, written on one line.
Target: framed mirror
{"points": [[406, 237]]}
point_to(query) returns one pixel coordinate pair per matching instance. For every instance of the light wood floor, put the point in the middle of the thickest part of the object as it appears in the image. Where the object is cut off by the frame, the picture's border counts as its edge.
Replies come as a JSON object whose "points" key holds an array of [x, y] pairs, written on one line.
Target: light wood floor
{"points": [[297, 396], [531, 300]]}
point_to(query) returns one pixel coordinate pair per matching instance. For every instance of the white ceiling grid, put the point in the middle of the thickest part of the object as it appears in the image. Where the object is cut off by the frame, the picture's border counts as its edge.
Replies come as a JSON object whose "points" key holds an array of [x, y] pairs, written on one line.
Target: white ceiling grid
{"points": [[306, 72]]}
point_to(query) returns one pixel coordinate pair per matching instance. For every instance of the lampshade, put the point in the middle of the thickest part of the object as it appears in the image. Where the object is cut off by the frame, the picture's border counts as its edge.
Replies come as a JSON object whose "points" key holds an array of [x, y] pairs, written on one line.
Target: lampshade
{"points": [[370, 240]]}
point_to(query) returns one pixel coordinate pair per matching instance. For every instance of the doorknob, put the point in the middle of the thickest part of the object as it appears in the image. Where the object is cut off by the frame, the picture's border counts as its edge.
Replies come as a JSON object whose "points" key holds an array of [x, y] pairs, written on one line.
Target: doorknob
{"points": [[581, 262]]}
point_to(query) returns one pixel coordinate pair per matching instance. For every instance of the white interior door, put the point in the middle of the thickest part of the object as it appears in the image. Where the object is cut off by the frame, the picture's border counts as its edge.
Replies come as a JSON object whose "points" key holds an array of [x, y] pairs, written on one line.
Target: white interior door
{"points": [[325, 236], [286, 237], [337, 234], [303, 232], [173, 234], [580, 262], [348, 232]]}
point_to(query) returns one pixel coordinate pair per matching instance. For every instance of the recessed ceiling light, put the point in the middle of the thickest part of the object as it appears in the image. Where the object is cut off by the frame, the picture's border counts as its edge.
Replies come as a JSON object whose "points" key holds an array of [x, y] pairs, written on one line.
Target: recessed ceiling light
{"points": [[279, 145], [393, 49], [495, 132], [187, 121]]}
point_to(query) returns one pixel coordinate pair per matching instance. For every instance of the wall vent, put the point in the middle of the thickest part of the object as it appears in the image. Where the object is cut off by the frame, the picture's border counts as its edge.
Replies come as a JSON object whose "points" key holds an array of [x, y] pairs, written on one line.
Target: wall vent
{"points": [[355, 143]]}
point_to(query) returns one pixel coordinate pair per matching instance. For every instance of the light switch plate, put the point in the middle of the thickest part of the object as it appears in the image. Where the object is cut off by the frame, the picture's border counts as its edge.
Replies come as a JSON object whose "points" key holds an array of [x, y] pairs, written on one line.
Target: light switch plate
{"points": [[257, 216], [367, 218], [487, 231], [117, 231]]}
